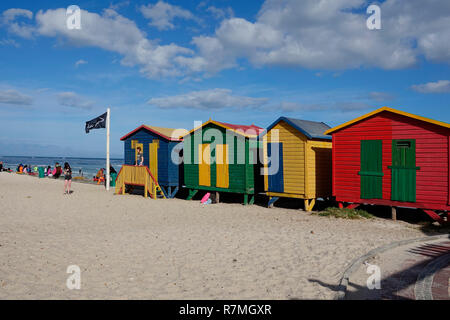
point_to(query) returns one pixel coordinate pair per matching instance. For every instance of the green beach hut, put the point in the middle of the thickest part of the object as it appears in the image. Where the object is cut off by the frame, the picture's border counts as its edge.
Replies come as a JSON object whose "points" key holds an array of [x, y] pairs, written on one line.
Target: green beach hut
{"points": [[222, 157]]}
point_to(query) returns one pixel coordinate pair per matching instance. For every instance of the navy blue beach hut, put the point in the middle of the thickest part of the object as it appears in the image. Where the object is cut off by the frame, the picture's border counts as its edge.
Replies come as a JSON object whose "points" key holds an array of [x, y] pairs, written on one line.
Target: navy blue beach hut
{"points": [[157, 145]]}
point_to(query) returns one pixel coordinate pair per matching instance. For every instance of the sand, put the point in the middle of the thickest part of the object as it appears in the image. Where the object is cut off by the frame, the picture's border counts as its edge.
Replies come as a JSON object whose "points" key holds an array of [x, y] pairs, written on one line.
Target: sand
{"points": [[129, 247]]}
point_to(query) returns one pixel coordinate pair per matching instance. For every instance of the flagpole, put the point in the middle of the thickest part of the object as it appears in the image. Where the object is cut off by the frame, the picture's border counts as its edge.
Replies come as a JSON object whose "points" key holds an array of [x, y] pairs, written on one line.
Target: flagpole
{"points": [[108, 116]]}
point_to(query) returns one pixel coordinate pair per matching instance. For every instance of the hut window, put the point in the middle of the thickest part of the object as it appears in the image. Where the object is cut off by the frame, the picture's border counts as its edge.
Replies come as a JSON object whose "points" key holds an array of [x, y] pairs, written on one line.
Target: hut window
{"points": [[403, 144]]}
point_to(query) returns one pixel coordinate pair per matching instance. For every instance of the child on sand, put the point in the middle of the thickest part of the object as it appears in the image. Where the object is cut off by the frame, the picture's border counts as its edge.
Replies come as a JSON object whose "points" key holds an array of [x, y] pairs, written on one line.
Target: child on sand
{"points": [[100, 176], [67, 178]]}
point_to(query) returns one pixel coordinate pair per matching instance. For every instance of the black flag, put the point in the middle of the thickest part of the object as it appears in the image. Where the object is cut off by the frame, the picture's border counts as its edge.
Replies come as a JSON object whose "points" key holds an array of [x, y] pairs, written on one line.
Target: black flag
{"points": [[97, 123]]}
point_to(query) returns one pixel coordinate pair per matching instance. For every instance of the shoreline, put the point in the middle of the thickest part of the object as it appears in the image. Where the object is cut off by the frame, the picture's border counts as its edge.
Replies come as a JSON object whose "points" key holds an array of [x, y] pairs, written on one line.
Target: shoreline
{"points": [[88, 166]]}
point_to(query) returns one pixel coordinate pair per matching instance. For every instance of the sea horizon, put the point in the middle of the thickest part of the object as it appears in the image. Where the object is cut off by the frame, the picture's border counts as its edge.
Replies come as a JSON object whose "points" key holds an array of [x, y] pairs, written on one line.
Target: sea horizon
{"points": [[81, 166], [60, 157]]}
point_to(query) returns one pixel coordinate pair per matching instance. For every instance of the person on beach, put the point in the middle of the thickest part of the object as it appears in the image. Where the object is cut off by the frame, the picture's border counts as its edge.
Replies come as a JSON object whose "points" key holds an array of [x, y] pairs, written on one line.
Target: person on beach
{"points": [[57, 171], [139, 157], [49, 171], [100, 176], [67, 178], [1, 166]]}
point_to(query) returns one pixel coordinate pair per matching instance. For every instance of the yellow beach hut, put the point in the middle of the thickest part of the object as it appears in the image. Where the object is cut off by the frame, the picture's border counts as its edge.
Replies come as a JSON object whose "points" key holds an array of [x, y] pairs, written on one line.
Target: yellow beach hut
{"points": [[297, 161]]}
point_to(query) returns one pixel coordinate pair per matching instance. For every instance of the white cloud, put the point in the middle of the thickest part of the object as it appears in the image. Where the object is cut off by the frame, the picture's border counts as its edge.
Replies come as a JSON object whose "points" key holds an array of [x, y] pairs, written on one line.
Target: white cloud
{"points": [[207, 99], [119, 5], [315, 107], [381, 96], [295, 106], [9, 19], [329, 35], [441, 86], [11, 14], [351, 106], [9, 42], [220, 13], [113, 32], [323, 35], [73, 100], [162, 14], [80, 62], [14, 97]]}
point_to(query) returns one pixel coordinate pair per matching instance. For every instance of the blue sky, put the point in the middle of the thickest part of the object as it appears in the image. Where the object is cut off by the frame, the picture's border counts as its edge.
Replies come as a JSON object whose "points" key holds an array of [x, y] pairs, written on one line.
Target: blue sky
{"points": [[171, 63]]}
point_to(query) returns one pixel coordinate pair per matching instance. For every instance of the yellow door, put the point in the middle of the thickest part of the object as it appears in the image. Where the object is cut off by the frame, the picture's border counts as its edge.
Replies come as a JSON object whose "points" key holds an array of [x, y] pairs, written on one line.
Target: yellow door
{"points": [[222, 175], [153, 159], [204, 165]]}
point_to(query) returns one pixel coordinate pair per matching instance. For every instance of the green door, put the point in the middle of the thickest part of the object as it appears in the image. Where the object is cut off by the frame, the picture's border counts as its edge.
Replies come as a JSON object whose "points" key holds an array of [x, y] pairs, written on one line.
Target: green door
{"points": [[371, 169], [404, 170]]}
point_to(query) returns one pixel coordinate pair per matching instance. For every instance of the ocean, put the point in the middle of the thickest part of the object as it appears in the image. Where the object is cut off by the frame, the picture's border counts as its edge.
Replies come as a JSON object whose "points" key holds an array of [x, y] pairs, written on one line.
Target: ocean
{"points": [[88, 166]]}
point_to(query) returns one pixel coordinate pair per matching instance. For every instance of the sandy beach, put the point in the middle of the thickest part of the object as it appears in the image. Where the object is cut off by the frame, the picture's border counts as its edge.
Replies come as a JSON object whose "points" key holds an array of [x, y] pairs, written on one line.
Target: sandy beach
{"points": [[129, 247]]}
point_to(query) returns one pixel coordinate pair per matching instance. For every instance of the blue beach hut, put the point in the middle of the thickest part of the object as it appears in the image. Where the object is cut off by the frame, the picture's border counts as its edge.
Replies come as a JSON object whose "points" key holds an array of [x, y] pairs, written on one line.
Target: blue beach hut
{"points": [[157, 145]]}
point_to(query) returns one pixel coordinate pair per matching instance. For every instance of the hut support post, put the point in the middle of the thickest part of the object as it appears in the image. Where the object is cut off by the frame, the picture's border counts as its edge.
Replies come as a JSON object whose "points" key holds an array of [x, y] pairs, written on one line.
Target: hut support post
{"points": [[350, 206], [435, 216], [217, 197], [166, 193], [245, 199], [394, 213], [172, 195], [252, 199], [309, 204], [272, 200], [146, 187], [192, 193]]}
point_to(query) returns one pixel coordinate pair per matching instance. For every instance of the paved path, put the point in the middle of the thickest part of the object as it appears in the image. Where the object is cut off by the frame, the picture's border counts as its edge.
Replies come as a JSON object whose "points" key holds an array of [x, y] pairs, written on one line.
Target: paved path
{"points": [[419, 271]]}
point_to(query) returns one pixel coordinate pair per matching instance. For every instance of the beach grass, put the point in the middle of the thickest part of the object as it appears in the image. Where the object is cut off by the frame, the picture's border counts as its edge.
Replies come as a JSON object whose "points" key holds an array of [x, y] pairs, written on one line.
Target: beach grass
{"points": [[344, 213]]}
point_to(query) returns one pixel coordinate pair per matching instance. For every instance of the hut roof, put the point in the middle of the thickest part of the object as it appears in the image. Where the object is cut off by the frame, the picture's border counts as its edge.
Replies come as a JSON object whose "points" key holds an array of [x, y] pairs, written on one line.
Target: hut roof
{"points": [[166, 133], [250, 131], [311, 129], [391, 110]]}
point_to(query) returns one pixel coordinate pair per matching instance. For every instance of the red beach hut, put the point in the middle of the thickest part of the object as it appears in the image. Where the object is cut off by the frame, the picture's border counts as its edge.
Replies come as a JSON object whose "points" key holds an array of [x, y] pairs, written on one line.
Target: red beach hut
{"points": [[393, 158]]}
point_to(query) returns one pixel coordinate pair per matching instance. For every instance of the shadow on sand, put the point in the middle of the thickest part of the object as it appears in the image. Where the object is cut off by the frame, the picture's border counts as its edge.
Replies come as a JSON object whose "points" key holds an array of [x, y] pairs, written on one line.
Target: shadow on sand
{"points": [[393, 287]]}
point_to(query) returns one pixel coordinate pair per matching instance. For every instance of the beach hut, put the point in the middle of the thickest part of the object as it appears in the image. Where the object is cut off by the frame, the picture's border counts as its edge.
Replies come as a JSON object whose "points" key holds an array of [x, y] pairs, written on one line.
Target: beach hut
{"points": [[222, 157], [297, 161], [157, 145], [393, 158]]}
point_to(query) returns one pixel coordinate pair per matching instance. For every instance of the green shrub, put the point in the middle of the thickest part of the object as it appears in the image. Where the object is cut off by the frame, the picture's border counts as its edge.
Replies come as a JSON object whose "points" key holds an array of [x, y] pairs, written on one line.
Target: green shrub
{"points": [[344, 213]]}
